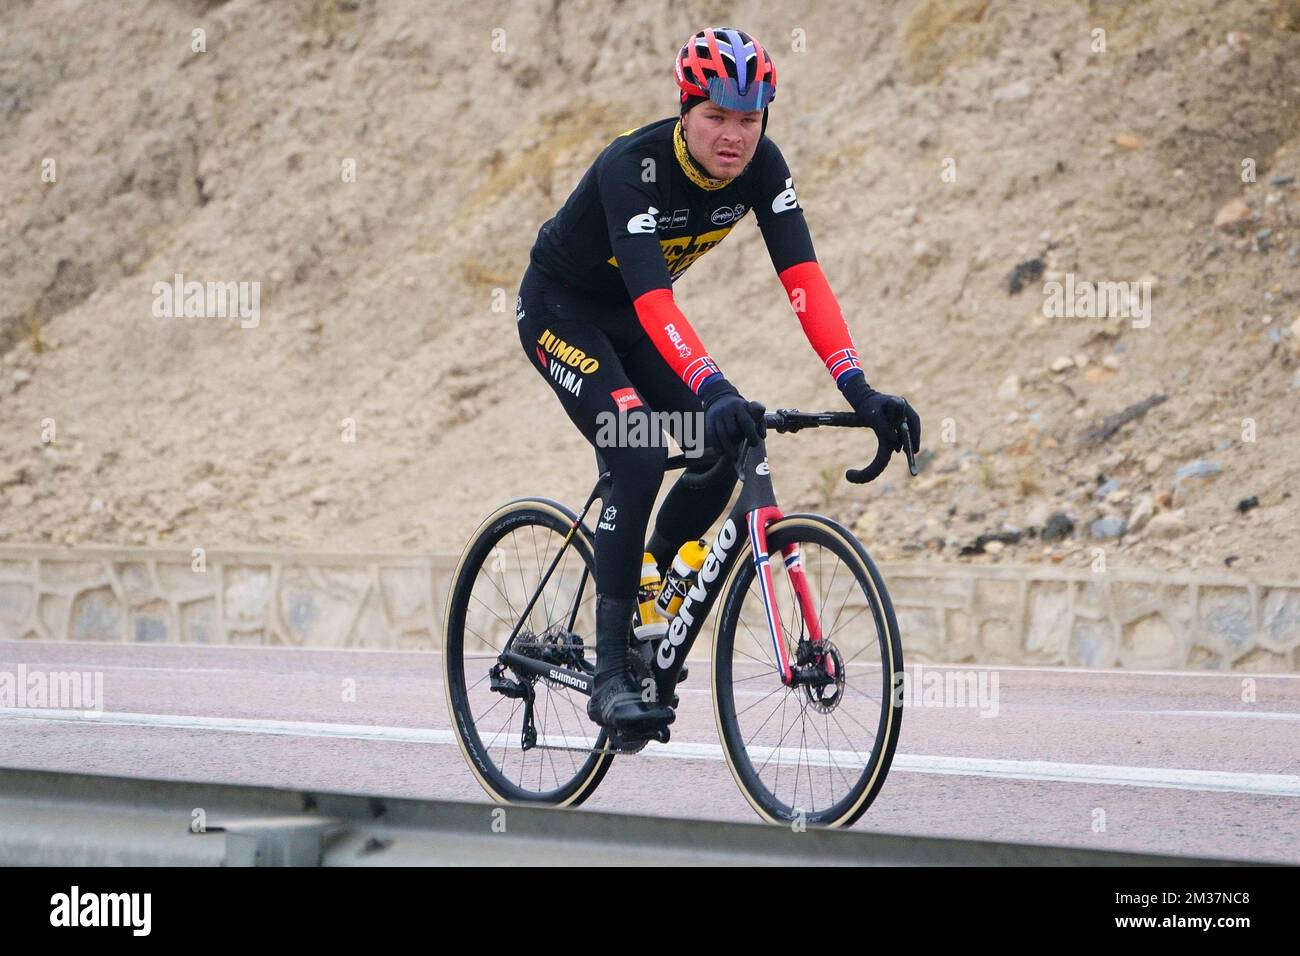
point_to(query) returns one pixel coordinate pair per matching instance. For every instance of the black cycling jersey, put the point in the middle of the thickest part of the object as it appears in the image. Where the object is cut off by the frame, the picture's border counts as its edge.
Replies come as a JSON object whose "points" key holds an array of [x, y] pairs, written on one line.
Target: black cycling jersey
{"points": [[596, 316], [643, 213]]}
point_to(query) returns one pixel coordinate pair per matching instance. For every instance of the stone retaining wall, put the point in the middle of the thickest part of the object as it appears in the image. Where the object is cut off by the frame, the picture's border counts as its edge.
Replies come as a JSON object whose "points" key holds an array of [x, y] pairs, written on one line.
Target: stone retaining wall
{"points": [[980, 614]]}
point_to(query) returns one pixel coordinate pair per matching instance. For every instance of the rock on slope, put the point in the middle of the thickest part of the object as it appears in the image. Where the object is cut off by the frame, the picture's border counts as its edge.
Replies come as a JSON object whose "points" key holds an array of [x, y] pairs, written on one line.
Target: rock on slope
{"points": [[381, 169]]}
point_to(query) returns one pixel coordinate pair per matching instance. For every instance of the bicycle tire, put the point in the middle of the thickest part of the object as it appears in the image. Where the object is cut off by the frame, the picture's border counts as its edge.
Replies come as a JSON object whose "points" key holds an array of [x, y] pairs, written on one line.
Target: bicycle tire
{"points": [[820, 531], [533, 513]]}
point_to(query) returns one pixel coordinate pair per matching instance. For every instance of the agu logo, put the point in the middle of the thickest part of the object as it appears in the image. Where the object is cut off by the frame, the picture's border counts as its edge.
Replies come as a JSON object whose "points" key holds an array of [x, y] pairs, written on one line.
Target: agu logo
{"points": [[607, 519], [566, 353], [675, 337]]}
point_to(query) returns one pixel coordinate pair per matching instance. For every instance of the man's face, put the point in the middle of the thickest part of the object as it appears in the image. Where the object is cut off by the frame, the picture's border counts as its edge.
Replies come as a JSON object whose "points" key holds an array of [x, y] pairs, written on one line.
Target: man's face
{"points": [[721, 140]]}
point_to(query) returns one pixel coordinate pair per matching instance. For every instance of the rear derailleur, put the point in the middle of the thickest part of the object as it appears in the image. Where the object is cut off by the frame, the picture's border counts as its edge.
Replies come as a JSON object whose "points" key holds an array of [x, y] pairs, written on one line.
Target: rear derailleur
{"points": [[516, 690]]}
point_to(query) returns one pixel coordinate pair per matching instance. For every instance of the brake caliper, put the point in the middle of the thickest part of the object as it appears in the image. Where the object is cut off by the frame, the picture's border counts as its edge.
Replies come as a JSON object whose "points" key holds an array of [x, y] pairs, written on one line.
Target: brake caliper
{"points": [[820, 669]]}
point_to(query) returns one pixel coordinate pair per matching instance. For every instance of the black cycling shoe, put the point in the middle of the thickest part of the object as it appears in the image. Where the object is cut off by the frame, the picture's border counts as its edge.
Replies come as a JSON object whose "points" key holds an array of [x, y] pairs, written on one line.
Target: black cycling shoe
{"points": [[617, 703], [617, 700]]}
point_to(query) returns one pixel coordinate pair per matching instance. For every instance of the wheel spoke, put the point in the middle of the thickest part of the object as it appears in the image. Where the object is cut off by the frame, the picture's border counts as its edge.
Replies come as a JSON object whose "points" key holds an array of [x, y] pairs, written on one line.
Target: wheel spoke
{"points": [[538, 773], [765, 645], [827, 728], [831, 762], [779, 687], [493, 612], [780, 743]]}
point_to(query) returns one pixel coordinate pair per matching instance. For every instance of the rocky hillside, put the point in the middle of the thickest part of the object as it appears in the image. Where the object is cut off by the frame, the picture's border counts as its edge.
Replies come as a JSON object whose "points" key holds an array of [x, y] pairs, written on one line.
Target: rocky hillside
{"points": [[380, 169]]}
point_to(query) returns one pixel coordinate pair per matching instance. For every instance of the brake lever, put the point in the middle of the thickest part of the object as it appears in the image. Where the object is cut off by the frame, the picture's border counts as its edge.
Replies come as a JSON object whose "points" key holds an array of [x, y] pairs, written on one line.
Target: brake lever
{"points": [[907, 446], [739, 464]]}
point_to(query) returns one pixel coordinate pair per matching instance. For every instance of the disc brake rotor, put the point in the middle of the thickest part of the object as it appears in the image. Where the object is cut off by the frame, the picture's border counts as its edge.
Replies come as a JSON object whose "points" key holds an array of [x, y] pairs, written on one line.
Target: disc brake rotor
{"points": [[822, 674]]}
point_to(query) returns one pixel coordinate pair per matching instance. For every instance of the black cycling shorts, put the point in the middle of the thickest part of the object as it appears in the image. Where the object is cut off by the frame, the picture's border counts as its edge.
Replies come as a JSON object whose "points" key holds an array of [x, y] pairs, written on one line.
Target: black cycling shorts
{"points": [[616, 388]]}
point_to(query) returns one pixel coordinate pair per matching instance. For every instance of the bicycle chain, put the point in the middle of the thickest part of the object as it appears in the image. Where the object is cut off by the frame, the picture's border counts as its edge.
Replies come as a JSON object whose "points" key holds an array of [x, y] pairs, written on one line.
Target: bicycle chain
{"points": [[640, 745]]}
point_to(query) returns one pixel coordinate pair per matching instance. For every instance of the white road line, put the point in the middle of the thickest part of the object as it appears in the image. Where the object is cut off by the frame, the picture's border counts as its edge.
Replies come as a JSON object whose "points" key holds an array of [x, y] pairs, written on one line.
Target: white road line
{"points": [[277, 728], [1253, 714], [81, 667], [1262, 784], [202, 648], [1111, 671], [1047, 669]]}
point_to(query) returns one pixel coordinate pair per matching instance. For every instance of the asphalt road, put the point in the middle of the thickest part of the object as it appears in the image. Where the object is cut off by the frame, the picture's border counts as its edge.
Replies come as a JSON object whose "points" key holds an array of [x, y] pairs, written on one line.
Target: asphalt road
{"points": [[1194, 764]]}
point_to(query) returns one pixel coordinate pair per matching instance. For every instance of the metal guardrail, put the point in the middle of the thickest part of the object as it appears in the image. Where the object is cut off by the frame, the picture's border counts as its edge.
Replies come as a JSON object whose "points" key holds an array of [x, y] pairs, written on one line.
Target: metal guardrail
{"points": [[63, 819]]}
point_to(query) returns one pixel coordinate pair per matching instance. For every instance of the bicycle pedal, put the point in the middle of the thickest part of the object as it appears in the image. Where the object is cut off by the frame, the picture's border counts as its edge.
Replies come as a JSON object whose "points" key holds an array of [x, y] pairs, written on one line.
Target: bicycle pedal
{"points": [[627, 748], [634, 745], [631, 741], [618, 744]]}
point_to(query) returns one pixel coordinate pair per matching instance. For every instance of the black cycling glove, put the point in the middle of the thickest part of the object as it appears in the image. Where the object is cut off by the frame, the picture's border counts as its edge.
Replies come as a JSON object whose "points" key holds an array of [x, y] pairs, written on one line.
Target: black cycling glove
{"points": [[883, 414], [727, 418]]}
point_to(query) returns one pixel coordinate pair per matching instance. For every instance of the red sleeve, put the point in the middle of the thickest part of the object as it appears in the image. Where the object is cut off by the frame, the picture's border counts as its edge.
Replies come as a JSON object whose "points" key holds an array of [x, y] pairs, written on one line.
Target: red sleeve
{"points": [[673, 336], [822, 320]]}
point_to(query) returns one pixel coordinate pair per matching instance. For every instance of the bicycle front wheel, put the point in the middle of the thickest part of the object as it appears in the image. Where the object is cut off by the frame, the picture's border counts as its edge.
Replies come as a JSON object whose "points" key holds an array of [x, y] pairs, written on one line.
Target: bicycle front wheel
{"points": [[534, 743], [817, 751]]}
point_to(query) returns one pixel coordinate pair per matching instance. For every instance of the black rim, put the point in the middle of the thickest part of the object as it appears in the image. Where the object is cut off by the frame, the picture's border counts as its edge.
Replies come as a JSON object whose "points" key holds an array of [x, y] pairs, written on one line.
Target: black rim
{"points": [[498, 577], [813, 749]]}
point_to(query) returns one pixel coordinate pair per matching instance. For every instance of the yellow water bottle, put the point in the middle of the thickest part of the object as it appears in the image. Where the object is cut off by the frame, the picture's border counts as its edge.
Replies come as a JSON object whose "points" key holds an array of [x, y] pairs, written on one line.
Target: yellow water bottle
{"points": [[649, 589], [686, 564]]}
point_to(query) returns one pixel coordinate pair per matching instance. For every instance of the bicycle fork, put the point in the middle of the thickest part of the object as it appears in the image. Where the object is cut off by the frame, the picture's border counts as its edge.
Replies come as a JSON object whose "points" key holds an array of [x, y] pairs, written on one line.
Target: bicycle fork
{"points": [[758, 520]]}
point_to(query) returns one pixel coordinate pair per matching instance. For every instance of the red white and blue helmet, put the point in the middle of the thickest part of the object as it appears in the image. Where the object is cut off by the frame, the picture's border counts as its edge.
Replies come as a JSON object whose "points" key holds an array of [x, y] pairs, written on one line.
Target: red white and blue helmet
{"points": [[726, 66]]}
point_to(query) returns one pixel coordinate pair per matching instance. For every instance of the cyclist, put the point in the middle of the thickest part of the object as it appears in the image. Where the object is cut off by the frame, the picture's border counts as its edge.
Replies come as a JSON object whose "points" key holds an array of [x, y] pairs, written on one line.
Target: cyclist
{"points": [[597, 318]]}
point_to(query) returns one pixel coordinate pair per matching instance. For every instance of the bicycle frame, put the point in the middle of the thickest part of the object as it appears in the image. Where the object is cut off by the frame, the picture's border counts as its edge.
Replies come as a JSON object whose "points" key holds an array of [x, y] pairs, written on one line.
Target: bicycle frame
{"points": [[755, 509]]}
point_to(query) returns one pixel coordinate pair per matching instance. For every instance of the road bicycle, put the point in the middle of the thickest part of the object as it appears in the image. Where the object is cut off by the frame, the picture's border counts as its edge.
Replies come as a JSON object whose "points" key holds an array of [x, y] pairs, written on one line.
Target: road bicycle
{"points": [[806, 655]]}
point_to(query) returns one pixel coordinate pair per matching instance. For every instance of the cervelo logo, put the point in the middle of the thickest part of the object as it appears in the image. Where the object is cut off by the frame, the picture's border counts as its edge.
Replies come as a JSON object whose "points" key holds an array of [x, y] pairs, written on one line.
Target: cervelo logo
{"points": [[569, 679], [686, 613], [644, 222], [725, 214], [762, 468], [675, 337], [785, 199], [566, 353]]}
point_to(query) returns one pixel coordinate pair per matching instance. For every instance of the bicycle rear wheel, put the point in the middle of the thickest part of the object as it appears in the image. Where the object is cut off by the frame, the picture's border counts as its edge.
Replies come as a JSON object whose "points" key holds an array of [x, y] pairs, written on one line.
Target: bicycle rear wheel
{"points": [[500, 571], [815, 751]]}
